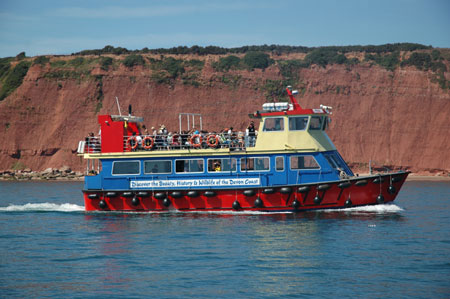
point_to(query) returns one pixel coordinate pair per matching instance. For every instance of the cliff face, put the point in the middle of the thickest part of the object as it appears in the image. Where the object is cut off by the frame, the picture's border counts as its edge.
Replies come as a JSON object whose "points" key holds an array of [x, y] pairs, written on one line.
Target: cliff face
{"points": [[398, 119]]}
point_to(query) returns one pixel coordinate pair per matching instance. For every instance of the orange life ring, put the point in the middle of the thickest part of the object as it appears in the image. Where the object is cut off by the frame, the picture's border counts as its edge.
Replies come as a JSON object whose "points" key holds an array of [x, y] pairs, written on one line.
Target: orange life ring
{"points": [[214, 139], [192, 140], [148, 146], [132, 138]]}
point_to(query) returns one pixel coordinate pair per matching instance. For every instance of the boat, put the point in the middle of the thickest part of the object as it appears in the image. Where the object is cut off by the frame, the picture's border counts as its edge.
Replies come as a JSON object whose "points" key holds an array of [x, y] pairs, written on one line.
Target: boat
{"points": [[289, 164]]}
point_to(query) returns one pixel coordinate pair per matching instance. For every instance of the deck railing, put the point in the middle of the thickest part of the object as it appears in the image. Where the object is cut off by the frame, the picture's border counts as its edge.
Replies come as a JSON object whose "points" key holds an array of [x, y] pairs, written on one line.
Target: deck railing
{"points": [[172, 142], [187, 141]]}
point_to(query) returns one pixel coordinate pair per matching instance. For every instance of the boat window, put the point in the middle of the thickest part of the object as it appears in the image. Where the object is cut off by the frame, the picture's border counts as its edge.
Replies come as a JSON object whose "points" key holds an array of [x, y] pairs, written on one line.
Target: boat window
{"points": [[158, 166], [316, 123], [279, 163], [304, 162], [125, 167], [216, 165], [331, 161], [298, 123], [326, 122], [194, 165], [335, 161], [255, 164], [273, 124]]}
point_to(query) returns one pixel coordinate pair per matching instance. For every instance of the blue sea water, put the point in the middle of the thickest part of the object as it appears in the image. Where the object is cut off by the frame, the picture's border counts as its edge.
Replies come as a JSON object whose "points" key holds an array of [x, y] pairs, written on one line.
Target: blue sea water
{"points": [[51, 248]]}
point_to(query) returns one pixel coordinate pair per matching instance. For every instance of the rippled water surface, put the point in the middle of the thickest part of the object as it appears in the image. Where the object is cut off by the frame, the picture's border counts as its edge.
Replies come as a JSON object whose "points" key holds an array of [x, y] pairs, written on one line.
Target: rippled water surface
{"points": [[49, 247]]}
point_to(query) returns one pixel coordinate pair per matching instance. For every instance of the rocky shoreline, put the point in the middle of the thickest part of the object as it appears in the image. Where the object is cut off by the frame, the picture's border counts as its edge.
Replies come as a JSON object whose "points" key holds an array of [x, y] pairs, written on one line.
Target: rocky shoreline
{"points": [[50, 174]]}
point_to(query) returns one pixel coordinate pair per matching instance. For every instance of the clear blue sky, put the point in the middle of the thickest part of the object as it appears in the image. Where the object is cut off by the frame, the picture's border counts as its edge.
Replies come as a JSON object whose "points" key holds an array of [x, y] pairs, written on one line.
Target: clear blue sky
{"points": [[64, 27]]}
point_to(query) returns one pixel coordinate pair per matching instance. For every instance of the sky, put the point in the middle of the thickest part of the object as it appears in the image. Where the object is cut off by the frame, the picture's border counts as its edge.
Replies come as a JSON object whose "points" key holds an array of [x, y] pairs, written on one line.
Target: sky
{"points": [[66, 26]]}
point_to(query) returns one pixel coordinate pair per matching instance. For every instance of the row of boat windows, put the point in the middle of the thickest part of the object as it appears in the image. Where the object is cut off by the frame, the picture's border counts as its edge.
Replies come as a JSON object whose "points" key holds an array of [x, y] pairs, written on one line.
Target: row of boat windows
{"points": [[213, 165], [296, 123]]}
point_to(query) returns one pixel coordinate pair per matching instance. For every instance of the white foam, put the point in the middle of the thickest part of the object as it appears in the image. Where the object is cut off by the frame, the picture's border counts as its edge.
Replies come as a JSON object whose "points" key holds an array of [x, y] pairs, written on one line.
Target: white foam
{"points": [[43, 207], [378, 209]]}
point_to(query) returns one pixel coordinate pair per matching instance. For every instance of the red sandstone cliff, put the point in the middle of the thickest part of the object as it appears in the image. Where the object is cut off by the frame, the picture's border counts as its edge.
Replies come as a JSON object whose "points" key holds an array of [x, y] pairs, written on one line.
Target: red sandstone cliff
{"points": [[399, 119]]}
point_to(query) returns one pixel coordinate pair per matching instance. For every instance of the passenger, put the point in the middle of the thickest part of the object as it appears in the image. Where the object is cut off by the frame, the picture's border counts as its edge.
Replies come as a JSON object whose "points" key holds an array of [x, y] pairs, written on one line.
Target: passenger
{"points": [[250, 135], [138, 140], [169, 140], [145, 130], [217, 166]]}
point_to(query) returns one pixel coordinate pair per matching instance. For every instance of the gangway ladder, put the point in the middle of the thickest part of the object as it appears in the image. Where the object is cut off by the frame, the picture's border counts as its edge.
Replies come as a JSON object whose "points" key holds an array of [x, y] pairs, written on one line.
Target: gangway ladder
{"points": [[190, 117]]}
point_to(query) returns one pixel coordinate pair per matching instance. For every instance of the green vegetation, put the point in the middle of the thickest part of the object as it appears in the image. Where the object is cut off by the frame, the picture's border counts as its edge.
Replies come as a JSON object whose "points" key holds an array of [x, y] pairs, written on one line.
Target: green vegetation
{"points": [[5, 65], [14, 78], [425, 61], [133, 60], [42, 60], [325, 56], [257, 60], [105, 63], [275, 49], [18, 166], [58, 63], [226, 63], [20, 56], [388, 61], [76, 62]]}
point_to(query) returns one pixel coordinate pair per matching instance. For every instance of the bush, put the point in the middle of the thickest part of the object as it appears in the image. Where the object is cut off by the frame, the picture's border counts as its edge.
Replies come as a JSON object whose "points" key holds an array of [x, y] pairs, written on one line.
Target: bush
{"points": [[257, 60], [388, 61], [42, 60], [105, 62], [173, 66], [132, 60], [14, 79], [226, 63], [5, 65], [78, 61], [325, 56], [20, 56]]}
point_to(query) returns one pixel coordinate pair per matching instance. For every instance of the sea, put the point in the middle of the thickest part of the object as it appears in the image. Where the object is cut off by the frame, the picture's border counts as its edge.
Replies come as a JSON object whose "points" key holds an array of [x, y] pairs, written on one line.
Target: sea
{"points": [[51, 248]]}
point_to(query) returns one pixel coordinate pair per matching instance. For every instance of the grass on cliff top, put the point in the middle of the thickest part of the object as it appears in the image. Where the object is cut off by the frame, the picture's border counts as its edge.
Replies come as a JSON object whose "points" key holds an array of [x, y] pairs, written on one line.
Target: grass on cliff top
{"points": [[13, 78]]}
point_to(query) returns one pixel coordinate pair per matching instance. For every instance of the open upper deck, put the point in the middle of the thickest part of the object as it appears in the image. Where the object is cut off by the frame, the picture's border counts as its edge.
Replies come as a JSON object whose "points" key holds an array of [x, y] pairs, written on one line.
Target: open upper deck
{"points": [[282, 127]]}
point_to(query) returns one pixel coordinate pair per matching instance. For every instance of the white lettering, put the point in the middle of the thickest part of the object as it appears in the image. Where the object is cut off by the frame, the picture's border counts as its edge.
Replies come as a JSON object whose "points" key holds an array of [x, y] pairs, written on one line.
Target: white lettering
{"points": [[193, 183]]}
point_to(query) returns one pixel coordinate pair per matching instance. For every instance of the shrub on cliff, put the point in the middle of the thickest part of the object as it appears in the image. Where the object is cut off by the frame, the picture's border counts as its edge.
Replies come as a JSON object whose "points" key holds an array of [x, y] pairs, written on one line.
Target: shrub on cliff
{"points": [[132, 60], [105, 63], [5, 65], [226, 63], [14, 79], [173, 66], [388, 61], [42, 60], [257, 60], [425, 61], [325, 56]]}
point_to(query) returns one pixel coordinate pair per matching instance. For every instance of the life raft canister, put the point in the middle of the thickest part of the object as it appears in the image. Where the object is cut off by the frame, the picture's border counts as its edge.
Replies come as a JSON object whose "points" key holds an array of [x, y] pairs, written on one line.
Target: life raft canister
{"points": [[212, 140], [148, 142], [131, 140], [193, 138]]}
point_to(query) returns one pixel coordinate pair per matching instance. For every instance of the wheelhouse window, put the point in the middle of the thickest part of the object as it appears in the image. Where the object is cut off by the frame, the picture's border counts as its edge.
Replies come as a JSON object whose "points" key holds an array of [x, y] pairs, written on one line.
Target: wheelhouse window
{"points": [[303, 162], [255, 164], [334, 161], [221, 165], [158, 166], [279, 163], [315, 123], [125, 167], [194, 165], [273, 124], [298, 123]]}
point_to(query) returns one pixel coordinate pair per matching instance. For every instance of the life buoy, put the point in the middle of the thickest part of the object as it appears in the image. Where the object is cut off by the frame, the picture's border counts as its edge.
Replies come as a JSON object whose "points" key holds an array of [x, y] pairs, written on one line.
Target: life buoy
{"points": [[192, 140], [129, 140], [212, 140], [148, 145]]}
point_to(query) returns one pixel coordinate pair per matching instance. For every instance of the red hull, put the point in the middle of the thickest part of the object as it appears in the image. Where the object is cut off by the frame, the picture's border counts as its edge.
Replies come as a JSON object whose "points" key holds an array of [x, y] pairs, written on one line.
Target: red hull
{"points": [[339, 194]]}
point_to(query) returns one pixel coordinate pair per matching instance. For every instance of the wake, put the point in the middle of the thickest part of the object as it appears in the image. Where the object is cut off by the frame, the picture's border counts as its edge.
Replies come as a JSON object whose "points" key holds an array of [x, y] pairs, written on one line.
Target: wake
{"points": [[43, 207], [377, 209]]}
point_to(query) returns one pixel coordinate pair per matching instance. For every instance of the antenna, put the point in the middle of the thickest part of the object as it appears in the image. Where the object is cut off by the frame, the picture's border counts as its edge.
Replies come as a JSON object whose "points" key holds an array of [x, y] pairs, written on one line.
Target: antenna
{"points": [[118, 106]]}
